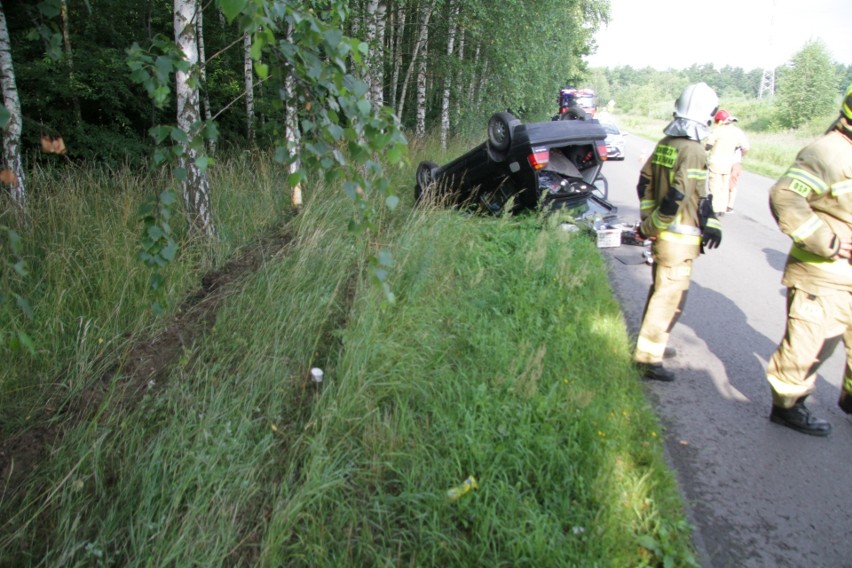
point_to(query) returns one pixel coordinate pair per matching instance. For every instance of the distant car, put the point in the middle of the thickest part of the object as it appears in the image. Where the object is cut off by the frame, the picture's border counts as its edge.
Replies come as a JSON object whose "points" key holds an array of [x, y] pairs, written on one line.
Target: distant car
{"points": [[538, 164], [614, 141]]}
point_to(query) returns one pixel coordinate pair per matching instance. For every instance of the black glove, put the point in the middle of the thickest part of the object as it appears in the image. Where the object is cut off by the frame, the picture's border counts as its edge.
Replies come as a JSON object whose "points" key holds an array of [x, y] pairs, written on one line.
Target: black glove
{"points": [[711, 236], [671, 202]]}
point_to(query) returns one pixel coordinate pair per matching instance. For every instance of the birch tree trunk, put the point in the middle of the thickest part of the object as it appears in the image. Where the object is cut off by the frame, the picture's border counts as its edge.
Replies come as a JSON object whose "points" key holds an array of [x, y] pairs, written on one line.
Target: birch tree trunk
{"points": [[460, 79], [248, 76], [423, 37], [422, 77], [196, 187], [293, 137], [378, 67], [205, 96], [370, 39], [12, 133], [69, 61], [448, 78], [399, 33]]}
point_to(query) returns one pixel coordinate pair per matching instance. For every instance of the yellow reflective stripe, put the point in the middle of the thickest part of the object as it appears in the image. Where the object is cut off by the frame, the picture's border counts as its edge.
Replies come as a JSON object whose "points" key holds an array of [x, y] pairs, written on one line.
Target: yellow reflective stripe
{"points": [[652, 348], [806, 229], [805, 177], [646, 204], [842, 188], [659, 223], [678, 238], [664, 155], [714, 223], [695, 173], [846, 110], [840, 266]]}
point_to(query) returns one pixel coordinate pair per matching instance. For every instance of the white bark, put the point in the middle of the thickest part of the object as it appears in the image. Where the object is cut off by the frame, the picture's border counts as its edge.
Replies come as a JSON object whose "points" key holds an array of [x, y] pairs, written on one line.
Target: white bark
{"points": [[202, 57], [445, 98], [399, 34], [196, 187], [422, 75], [378, 60], [423, 37], [12, 132], [293, 136], [248, 76], [370, 40]]}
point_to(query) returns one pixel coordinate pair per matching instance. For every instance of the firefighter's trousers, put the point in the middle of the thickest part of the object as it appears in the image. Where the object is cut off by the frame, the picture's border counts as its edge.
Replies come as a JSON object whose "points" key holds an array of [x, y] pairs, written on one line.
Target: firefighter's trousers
{"points": [[815, 324], [665, 303], [719, 185]]}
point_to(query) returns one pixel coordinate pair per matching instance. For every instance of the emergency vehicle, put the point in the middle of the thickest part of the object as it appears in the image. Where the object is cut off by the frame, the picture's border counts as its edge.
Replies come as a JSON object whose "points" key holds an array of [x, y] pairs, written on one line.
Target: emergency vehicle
{"points": [[583, 98]]}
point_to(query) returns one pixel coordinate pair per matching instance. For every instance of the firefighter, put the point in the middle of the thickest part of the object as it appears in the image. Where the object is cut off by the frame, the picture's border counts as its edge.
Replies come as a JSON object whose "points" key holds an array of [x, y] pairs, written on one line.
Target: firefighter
{"points": [[678, 217], [812, 203], [726, 146]]}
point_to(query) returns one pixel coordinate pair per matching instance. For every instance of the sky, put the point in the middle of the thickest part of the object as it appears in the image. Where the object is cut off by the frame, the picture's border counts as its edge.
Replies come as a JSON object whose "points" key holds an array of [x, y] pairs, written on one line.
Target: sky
{"points": [[752, 34]]}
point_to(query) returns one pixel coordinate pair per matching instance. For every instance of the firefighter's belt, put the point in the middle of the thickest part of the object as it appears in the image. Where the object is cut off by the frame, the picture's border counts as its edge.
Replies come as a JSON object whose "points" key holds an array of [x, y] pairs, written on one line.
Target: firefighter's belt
{"points": [[841, 266], [684, 234]]}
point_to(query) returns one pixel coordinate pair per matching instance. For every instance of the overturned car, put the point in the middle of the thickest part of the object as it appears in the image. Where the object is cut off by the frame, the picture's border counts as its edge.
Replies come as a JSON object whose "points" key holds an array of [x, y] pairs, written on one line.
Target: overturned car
{"points": [[524, 166]]}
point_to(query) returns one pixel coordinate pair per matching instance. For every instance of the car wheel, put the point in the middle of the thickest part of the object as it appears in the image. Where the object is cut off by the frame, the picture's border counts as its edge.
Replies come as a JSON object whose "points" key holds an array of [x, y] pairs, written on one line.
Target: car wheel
{"points": [[500, 127], [425, 177]]}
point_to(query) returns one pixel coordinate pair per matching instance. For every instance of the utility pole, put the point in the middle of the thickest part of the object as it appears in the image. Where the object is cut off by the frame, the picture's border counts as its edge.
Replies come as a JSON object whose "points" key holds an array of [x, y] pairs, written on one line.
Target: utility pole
{"points": [[767, 82]]}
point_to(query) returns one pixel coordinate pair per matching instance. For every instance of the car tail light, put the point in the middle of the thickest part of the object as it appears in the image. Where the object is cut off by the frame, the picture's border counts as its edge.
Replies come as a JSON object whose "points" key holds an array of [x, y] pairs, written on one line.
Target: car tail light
{"points": [[602, 152], [539, 158]]}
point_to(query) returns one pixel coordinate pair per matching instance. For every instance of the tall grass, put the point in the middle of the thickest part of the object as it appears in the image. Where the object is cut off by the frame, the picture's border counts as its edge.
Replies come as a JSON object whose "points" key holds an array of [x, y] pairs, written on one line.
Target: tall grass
{"points": [[504, 357]]}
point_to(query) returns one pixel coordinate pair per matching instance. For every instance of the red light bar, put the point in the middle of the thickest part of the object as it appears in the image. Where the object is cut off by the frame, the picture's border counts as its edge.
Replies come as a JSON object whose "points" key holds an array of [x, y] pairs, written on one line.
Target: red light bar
{"points": [[539, 158], [602, 150]]}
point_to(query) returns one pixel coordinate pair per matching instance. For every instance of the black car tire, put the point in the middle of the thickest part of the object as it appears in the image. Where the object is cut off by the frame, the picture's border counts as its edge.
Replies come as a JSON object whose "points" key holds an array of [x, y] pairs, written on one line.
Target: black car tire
{"points": [[500, 127], [425, 177]]}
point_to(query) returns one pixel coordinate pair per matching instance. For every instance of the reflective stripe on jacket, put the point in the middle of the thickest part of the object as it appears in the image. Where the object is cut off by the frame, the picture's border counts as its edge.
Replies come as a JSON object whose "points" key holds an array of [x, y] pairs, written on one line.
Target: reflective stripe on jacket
{"points": [[812, 203]]}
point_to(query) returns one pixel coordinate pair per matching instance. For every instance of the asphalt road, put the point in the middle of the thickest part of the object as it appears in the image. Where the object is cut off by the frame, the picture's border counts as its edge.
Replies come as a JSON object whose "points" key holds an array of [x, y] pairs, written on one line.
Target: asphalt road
{"points": [[759, 495]]}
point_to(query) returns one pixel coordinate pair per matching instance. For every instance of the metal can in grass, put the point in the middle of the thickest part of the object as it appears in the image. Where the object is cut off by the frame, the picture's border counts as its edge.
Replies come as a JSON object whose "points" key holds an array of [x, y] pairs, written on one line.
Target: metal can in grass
{"points": [[459, 491], [316, 375]]}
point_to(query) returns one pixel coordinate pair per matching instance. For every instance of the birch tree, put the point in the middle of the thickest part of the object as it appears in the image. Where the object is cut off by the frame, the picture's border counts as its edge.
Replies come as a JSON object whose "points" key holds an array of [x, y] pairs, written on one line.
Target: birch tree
{"points": [[205, 92], [445, 99], [398, 31], [292, 137], [422, 39], [422, 68], [248, 78], [13, 175], [192, 163]]}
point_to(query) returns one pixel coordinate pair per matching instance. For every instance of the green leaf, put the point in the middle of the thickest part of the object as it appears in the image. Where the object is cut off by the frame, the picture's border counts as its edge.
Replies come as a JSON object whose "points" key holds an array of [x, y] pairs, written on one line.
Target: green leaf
{"points": [[20, 268], [169, 251], [180, 174], [202, 162], [262, 70], [26, 342], [168, 197], [49, 8], [232, 8], [154, 232], [392, 201], [24, 306], [294, 179]]}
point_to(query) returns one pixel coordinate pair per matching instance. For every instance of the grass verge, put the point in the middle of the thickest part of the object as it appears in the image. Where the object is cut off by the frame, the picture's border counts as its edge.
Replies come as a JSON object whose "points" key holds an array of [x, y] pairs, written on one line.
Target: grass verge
{"points": [[505, 357]]}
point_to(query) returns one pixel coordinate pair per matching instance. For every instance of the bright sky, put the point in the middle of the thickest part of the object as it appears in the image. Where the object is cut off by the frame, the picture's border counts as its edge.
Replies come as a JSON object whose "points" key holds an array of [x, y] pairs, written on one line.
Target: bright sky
{"points": [[752, 34]]}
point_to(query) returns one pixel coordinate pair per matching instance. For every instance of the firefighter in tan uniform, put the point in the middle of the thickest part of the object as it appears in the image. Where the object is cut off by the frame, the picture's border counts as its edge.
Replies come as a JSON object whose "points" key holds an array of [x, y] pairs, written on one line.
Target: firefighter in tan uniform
{"points": [[812, 203], [678, 218], [723, 144]]}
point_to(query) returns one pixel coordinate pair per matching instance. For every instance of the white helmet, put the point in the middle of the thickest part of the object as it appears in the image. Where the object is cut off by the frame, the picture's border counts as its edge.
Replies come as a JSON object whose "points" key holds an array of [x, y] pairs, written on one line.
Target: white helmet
{"points": [[697, 102]]}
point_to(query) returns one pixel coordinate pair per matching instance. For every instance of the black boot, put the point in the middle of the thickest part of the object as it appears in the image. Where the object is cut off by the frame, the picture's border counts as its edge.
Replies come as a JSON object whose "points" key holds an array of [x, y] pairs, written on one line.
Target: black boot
{"points": [[845, 402], [799, 418], [655, 372]]}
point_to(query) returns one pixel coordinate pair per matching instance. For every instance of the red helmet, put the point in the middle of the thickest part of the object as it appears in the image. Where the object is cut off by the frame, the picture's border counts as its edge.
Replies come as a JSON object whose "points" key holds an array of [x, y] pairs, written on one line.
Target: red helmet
{"points": [[722, 116]]}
